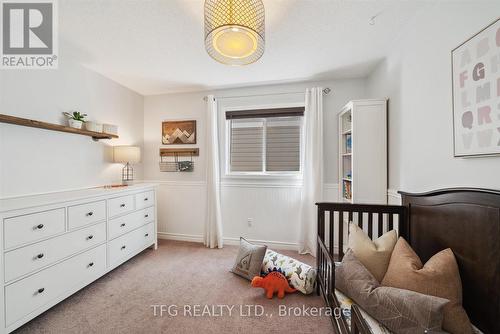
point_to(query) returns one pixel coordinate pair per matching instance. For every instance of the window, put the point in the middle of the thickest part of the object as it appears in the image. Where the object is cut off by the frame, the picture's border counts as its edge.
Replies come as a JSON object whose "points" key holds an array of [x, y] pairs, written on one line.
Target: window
{"points": [[265, 141]]}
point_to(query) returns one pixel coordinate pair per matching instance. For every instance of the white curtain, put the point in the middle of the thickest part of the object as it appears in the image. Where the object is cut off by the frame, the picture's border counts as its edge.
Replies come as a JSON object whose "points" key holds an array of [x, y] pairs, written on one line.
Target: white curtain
{"points": [[312, 189], [213, 223]]}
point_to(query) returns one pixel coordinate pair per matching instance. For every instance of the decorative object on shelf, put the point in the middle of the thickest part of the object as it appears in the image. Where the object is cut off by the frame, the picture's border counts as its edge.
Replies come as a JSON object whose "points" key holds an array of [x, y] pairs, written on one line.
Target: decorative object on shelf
{"points": [[178, 132], [476, 127], [54, 127], [93, 126], [235, 30], [177, 165], [110, 128], [127, 155], [347, 192], [75, 119], [113, 186]]}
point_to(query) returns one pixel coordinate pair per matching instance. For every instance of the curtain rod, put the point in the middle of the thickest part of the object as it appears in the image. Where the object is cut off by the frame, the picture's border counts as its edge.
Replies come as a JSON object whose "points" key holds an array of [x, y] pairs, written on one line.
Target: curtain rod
{"points": [[326, 90]]}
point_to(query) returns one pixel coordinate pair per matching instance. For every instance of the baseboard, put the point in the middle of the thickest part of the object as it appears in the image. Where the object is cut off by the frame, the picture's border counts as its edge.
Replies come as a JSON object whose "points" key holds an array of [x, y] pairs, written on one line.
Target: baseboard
{"points": [[228, 241], [270, 244], [393, 197], [180, 237]]}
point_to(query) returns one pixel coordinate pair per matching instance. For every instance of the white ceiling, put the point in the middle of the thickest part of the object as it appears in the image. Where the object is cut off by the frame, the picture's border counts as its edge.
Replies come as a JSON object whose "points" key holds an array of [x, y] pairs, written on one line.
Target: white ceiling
{"points": [[156, 46]]}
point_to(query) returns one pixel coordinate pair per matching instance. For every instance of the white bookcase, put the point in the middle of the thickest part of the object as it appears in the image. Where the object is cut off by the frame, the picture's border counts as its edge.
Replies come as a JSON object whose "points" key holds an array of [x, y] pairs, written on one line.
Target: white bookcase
{"points": [[363, 152]]}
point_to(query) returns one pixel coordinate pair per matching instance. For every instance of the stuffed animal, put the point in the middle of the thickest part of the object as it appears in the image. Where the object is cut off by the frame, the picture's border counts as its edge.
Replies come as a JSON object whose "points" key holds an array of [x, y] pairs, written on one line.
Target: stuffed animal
{"points": [[273, 282]]}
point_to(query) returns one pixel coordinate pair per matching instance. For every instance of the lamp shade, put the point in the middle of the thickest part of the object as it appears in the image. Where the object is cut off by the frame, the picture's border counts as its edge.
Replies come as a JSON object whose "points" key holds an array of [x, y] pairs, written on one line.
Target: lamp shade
{"points": [[234, 30], [124, 154]]}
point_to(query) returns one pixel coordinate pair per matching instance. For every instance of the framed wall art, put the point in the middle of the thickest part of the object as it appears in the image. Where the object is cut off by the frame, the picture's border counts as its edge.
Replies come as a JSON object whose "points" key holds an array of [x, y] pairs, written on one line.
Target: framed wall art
{"points": [[178, 132], [476, 94]]}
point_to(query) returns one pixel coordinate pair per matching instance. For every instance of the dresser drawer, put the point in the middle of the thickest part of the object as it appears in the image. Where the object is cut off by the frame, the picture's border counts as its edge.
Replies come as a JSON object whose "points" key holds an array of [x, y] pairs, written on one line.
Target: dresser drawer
{"points": [[33, 292], [143, 200], [121, 248], [120, 205], [124, 224], [85, 214], [28, 228], [29, 258]]}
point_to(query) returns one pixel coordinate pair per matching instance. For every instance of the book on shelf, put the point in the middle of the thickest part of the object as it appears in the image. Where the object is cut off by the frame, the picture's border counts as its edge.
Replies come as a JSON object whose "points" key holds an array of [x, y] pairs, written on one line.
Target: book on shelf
{"points": [[347, 189], [348, 143]]}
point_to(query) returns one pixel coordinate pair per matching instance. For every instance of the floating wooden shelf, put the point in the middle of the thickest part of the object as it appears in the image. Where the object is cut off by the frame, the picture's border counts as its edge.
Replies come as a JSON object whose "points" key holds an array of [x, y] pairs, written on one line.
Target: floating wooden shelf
{"points": [[170, 152], [54, 127]]}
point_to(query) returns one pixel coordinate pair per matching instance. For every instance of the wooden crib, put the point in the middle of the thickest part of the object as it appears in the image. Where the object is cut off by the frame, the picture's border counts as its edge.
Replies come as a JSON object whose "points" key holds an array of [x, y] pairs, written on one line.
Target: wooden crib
{"points": [[463, 219]]}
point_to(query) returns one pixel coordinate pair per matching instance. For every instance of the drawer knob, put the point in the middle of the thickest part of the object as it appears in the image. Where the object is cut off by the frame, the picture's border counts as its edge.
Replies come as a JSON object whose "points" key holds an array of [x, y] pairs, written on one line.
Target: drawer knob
{"points": [[91, 264], [146, 235], [122, 205], [146, 199], [90, 237], [123, 247], [39, 256], [146, 216], [41, 290], [39, 226], [122, 225], [90, 213]]}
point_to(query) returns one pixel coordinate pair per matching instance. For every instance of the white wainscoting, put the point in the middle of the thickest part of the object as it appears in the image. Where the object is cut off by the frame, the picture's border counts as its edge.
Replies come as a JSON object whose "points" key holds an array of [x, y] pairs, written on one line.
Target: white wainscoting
{"points": [[273, 208], [181, 210]]}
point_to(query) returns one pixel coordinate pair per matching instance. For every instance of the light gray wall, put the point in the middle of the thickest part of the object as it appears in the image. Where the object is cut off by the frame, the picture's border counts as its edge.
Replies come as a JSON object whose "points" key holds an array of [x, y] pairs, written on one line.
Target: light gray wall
{"points": [[416, 77], [36, 160]]}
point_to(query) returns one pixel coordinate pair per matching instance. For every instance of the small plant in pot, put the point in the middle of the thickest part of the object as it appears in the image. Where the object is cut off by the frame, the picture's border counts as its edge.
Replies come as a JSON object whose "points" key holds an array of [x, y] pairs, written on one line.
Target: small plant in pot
{"points": [[75, 119]]}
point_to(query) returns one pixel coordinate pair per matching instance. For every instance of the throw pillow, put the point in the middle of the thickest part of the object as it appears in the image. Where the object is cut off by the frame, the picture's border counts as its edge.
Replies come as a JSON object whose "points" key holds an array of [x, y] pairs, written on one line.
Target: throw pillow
{"points": [[401, 311], [374, 255], [300, 275], [249, 260], [438, 277]]}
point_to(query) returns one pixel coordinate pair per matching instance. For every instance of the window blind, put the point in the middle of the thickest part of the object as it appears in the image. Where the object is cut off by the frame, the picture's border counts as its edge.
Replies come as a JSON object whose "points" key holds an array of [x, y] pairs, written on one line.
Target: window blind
{"points": [[283, 146], [265, 144], [247, 145]]}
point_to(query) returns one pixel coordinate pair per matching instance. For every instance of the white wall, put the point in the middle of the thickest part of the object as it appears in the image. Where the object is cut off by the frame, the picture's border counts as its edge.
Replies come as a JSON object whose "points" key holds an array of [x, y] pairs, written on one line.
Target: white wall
{"points": [[416, 77], [35, 160], [273, 205]]}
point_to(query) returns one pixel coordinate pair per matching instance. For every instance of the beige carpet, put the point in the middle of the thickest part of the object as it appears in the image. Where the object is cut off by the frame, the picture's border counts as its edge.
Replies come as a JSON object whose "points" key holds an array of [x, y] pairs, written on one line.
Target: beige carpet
{"points": [[179, 274]]}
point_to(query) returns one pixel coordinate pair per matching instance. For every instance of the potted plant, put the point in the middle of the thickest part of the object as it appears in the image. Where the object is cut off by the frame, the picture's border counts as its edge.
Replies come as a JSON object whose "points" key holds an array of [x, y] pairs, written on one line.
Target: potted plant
{"points": [[75, 119]]}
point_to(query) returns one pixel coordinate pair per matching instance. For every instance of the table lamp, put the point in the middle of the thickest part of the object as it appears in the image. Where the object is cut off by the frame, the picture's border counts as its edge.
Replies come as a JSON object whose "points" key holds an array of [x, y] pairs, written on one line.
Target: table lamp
{"points": [[127, 155]]}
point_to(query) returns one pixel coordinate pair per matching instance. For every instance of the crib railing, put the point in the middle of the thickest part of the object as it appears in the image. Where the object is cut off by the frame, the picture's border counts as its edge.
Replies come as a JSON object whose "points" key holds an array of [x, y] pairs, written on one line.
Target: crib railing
{"points": [[374, 219]]}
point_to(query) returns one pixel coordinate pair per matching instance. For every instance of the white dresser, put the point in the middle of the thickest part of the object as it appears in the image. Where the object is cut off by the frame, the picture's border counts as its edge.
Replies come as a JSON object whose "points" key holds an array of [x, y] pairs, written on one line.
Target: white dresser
{"points": [[55, 244]]}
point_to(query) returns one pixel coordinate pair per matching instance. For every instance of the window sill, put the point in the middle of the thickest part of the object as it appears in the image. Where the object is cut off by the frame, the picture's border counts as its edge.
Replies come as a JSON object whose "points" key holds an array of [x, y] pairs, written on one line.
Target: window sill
{"points": [[262, 180]]}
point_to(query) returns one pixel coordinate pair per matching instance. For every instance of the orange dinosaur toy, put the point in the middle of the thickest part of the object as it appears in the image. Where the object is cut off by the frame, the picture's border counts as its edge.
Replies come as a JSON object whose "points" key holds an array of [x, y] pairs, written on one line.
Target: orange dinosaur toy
{"points": [[273, 282]]}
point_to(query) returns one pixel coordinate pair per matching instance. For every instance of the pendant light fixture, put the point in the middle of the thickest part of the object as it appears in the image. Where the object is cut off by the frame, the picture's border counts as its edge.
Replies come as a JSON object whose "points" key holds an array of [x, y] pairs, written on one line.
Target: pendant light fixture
{"points": [[234, 30]]}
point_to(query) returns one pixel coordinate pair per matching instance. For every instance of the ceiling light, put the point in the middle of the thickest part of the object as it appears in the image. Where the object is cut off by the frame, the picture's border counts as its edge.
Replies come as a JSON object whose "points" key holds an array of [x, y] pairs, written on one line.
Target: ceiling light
{"points": [[234, 30]]}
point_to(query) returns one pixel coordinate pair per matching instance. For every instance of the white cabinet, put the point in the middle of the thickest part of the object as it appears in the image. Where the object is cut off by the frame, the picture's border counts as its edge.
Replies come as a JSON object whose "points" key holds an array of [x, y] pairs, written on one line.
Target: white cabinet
{"points": [[363, 152], [29, 294], [120, 205], [122, 247], [144, 200], [31, 227], [30, 258], [85, 214], [124, 224], [54, 245]]}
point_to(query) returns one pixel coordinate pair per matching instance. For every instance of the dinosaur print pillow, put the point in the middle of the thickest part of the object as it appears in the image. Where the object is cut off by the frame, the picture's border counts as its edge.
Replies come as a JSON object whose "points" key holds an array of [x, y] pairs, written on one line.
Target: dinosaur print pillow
{"points": [[300, 275], [249, 260]]}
